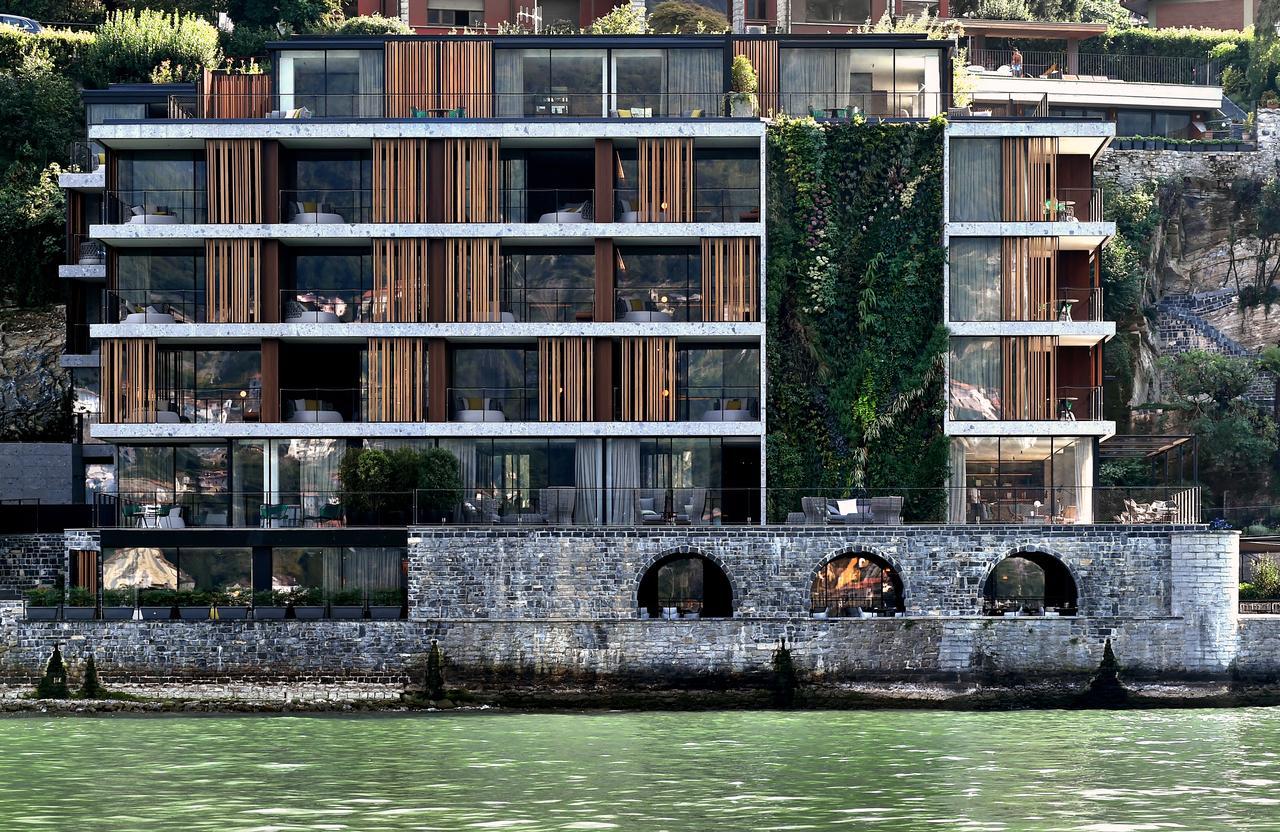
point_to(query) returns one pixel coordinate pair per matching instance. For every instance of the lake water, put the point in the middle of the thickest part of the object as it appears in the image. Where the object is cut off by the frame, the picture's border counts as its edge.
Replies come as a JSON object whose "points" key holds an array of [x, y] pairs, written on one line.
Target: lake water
{"points": [[877, 770]]}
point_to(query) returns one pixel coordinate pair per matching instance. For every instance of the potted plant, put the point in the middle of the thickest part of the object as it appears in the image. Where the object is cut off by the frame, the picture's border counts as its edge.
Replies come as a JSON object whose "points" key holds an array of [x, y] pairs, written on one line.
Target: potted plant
{"points": [[232, 604], [157, 604], [307, 603], [742, 100], [270, 605], [386, 604], [439, 486], [194, 605], [1269, 100], [1149, 143], [43, 603], [346, 604], [81, 604], [118, 604]]}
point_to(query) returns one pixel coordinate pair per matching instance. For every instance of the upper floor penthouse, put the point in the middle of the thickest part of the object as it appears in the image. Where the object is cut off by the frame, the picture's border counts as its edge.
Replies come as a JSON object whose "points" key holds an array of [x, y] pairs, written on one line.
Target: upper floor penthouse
{"points": [[576, 77]]}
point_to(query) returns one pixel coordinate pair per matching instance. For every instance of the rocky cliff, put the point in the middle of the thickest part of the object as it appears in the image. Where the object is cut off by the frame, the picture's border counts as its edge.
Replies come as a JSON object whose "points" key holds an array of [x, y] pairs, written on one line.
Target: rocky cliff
{"points": [[35, 390]]}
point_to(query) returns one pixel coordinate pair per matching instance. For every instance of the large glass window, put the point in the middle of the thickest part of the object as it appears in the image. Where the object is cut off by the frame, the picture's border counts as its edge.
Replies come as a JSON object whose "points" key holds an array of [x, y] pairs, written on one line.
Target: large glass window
{"points": [[550, 82], [837, 11], [673, 82], [718, 384], [856, 585], [333, 83], [327, 285], [346, 576], [173, 487], [545, 285], [1023, 479], [726, 185], [548, 186], [327, 187], [658, 284], [976, 180], [494, 385], [975, 379], [158, 285], [904, 83], [974, 278], [208, 385], [554, 481], [158, 187]]}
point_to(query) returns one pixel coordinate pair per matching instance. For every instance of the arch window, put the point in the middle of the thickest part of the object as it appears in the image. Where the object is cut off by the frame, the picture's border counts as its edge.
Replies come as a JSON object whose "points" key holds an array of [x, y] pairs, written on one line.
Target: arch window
{"points": [[1029, 583], [685, 586], [857, 585]]}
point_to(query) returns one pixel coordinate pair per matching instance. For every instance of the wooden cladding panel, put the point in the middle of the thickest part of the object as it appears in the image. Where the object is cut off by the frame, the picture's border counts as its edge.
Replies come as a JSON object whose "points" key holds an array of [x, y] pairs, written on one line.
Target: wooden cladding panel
{"points": [[566, 373], [466, 76], [234, 169], [223, 95], [666, 180], [1029, 279], [1030, 179], [128, 380], [397, 380], [410, 77], [730, 279], [1029, 377], [763, 55], [471, 180], [472, 271], [233, 281], [400, 180], [648, 379], [401, 287]]}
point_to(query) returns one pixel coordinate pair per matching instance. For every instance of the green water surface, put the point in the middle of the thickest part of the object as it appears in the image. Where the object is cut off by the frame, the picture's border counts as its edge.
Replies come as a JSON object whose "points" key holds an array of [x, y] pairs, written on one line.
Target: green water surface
{"points": [[873, 770]]}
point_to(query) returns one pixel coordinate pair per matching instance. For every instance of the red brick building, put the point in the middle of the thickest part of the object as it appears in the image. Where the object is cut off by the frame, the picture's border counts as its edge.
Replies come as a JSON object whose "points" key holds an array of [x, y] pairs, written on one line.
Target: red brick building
{"points": [[1213, 14]]}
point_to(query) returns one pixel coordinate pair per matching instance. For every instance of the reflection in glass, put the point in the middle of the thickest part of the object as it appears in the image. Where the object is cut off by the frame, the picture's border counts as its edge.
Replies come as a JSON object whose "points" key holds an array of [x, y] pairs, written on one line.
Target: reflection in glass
{"points": [[851, 584], [975, 378], [974, 278]]}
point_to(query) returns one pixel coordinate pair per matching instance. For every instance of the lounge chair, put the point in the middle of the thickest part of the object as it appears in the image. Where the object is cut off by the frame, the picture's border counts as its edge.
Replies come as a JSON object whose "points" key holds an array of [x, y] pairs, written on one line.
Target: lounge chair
{"points": [[886, 511]]}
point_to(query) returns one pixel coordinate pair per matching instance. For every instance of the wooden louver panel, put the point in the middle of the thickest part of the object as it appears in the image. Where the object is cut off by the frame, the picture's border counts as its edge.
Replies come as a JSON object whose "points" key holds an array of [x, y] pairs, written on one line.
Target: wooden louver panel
{"points": [[234, 169], [648, 379], [399, 180], [233, 281], [566, 371], [730, 279], [1030, 179], [666, 180], [472, 270], [466, 76], [239, 95], [128, 380], [763, 55], [397, 377], [1029, 278], [400, 282], [1029, 377], [410, 80], [471, 180]]}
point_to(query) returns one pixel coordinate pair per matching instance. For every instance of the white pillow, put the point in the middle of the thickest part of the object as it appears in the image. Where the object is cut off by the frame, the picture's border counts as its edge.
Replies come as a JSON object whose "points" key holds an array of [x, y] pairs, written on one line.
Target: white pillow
{"points": [[299, 404], [647, 512], [847, 506], [138, 210]]}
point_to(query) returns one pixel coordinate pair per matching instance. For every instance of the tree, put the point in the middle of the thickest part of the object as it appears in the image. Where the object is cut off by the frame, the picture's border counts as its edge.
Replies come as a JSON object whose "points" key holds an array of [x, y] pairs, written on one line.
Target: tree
{"points": [[440, 479], [32, 229], [302, 15], [53, 685], [1269, 362], [686, 17], [132, 44], [56, 11], [374, 24], [621, 20], [40, 108], [91, 688], [1208, 383]]}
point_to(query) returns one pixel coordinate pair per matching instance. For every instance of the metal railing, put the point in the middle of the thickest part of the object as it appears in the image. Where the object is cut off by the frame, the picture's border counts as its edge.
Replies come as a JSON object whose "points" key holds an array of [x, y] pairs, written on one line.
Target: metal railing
{"points": [[831, 105], [548, 205], [1151, 69], [1079, 304], [1028, 605], [1076, 205], [153, 306], [170, 206], [493, 404], [658, 304], [321, 405], [332, 206], [85, 157], [331, 306], [208, 406], [562, 304]]}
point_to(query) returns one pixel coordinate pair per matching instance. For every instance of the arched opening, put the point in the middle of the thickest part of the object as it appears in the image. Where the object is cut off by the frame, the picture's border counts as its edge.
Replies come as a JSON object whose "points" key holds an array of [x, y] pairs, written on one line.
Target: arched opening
{"points": [[1029, 583], [857, 585], [686, 586]]}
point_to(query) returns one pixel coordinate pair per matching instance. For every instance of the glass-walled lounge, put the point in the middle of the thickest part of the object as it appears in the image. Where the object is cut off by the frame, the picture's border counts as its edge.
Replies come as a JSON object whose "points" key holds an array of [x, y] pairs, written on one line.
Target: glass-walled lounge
{"points": [[1022, 479], [208, 385], [726, 185], [326, 186], [157, 187], [718, 384], [844, 82], [548, 185], [542, 284], [494, 384], [324, 285], [658, 284], [157, 286], [331, 83]]}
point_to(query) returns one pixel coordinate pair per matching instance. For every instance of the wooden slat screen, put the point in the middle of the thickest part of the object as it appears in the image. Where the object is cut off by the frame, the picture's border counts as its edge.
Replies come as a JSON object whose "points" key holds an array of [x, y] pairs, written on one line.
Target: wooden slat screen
{"points": [[84, 569], [1029, 279], [1030, 179], [401, 287], [233, 281], [240, 95], [471, 180], [566, 370], [466, 76], [234, 170], [128, 380], [400, 180], [763, 55], [397, 380], [1030, 377], [666, 180], [472, 272], [730, 279], [648, 379], [410, 76]]}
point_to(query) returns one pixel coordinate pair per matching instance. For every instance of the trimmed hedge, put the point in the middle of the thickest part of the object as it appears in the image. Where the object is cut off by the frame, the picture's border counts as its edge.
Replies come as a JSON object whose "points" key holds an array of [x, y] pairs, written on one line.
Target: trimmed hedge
{"points": [[66, 49]]}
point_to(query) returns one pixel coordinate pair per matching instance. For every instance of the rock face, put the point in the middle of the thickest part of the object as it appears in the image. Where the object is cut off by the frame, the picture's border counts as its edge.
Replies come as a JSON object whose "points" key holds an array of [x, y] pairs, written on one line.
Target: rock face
{"points": [[35, 390]]}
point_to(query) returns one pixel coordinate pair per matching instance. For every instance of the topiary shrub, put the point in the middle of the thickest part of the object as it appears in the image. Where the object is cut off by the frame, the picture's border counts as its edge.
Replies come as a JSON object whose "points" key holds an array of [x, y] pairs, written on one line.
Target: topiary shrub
{"points": [[53, 685], [91, 688], [374, 24], [131, 44]]}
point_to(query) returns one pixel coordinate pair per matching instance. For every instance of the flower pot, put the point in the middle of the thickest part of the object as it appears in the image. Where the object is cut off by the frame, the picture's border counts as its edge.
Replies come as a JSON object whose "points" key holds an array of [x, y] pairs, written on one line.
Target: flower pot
{"points": [[42, 613], [236, 613], [384, 613], [78, 613], [117, 613], [741, 108], [345, 612], [269, 613], [193, 613], [157, 613], [1149, 144], [308, 613]]}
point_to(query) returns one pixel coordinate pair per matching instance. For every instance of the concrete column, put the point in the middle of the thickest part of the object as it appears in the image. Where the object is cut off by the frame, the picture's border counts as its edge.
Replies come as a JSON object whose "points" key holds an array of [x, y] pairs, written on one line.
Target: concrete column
{"points": [[1205, 594], [738, 16]]}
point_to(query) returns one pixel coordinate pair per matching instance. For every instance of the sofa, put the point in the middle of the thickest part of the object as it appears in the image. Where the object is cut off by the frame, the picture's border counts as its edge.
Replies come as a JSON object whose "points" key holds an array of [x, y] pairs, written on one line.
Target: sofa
{"points": [[641, 310], [737, 409], [478, 409], [305, 312], [304, 212], [688, 505], [821, 511], [311, 411], [569, 213]]}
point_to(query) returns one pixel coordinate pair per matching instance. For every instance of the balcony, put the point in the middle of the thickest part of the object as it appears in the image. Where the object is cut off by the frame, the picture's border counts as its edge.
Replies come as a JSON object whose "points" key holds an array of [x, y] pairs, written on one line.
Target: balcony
{"points": [[565, 304], [548, 205], [322, 405], [208, 407], [185, 206], [1144, 69], [320, 206], [493, 404], [972, 403], [154, 306], [331, 306]]}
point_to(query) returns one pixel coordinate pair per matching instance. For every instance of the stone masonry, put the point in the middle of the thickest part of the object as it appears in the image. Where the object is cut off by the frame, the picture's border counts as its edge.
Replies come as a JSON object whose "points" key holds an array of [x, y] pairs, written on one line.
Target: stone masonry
{"points": [[28, 560]]}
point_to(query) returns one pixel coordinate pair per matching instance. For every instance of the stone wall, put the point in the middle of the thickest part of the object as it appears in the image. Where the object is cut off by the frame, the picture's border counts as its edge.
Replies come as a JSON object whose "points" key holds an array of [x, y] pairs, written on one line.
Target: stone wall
{"points": [[35, 399], [27, 560], [36, 471]]}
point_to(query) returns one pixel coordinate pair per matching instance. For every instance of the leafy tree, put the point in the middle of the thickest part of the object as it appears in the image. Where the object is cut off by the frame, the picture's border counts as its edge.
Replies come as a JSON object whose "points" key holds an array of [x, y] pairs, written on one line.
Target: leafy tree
{"points": [[440, 479], [56, 11], [1109, 12], [687, 17], [302, 15], [41, 110], [1054, 10], [1207, 383], [32, 217], [131, 44], [1269, 362], [245, 41], [374, 24], [621, 20], [1136, 213]]}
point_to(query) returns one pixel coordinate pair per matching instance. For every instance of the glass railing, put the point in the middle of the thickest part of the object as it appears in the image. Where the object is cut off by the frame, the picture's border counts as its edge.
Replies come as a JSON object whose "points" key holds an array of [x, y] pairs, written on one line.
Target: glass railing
{"points": [[560, 206], [718, 404], [173, 206], [493, 404], [561, 304], [726, 204], [154, 306], [321, 405], [331, 306], [324, 206], [658, 304], [208, 406]]}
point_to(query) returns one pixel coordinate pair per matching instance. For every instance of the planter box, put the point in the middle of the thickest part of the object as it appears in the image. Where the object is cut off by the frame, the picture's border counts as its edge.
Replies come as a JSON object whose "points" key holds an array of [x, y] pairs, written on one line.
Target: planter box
{"points": [[1149, 145], [233, 613], [308, 613], [193, 613], [345, 613], [117, 613], [42, 613], [78, 613], [269, 613], [384, 613], [156, 613]]}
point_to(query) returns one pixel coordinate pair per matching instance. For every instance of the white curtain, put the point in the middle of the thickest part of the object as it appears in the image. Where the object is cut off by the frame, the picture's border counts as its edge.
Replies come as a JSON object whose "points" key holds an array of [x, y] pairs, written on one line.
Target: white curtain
{"points": [[370, 105], [976, 180], [957, 493], [586, 465], [974, 275], [1084, 480], [465, 451], [508, 80], [697, 78], [624, 479]]}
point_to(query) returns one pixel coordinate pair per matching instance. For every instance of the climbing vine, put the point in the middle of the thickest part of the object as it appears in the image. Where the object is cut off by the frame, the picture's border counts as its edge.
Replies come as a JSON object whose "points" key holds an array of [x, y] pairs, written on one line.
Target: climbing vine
{"points": [[856, 343]]}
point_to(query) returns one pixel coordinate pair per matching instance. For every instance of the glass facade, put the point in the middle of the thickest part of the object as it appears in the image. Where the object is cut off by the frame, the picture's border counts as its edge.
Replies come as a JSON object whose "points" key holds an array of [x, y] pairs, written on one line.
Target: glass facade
{"points": [[158, 187], [331, 83], [158, 285], [546, 285], [1022, 479], [841, 82]]}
